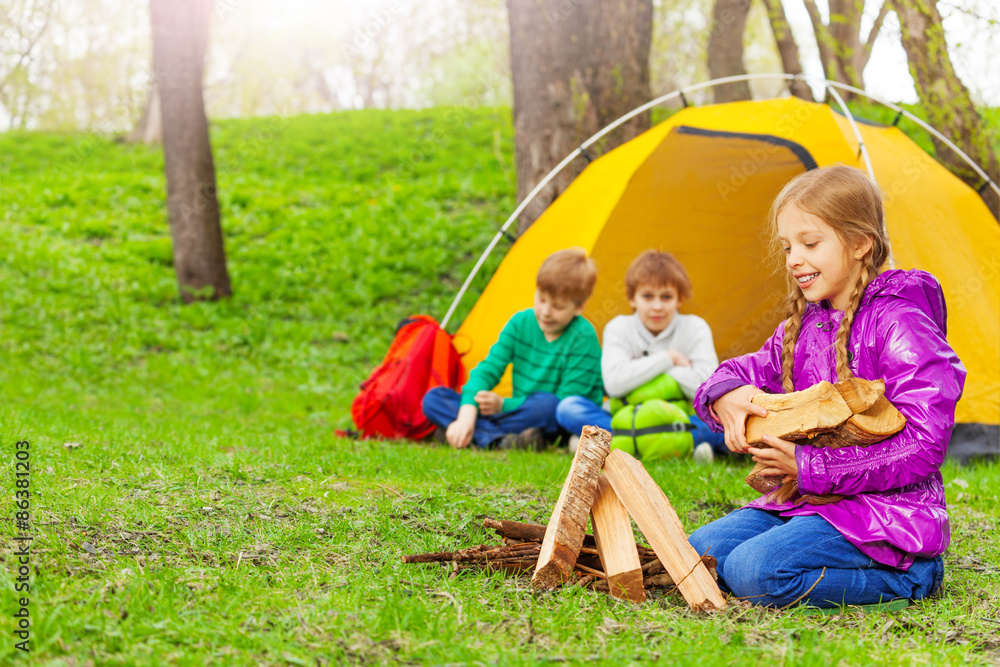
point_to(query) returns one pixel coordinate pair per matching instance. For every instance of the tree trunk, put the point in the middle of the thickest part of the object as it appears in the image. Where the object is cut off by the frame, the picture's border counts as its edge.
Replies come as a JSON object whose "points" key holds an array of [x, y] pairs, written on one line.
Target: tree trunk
{"points": [[944, 97], [180, 35], [842, 49], [725, 49], [576, 66], [787, 48], [149, 129]]}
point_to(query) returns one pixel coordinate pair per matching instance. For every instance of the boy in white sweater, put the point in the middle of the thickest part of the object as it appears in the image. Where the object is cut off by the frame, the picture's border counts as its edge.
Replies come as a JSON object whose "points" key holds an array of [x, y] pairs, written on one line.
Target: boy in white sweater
{"points": [[654, 340]]}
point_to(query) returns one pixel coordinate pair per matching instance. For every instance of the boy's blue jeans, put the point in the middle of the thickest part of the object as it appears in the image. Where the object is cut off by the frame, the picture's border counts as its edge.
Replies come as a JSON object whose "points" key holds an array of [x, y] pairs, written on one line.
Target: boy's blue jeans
{"points": [[441, 406], [575, 412], [772, 560]]}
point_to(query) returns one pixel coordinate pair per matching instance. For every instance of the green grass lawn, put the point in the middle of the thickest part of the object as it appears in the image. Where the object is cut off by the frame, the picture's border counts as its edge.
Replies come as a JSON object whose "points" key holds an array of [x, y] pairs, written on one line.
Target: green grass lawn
{"points": [[191, 504]]}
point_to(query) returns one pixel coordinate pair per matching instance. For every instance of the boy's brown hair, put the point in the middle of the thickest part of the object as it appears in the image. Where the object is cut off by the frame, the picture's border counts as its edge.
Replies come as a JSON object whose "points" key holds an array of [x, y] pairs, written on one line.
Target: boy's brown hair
{"points": [[568, 274], [659, 269]]}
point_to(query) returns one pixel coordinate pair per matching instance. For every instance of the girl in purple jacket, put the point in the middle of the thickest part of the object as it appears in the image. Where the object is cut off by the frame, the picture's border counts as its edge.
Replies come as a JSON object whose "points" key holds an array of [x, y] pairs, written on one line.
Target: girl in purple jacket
{"points": [[846, 317]]}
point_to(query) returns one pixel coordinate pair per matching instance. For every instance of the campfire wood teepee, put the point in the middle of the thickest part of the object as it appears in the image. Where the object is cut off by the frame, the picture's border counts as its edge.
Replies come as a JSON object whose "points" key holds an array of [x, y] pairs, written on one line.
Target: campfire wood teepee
{"points": [[519, 554], [647, 505], [609, 560]]}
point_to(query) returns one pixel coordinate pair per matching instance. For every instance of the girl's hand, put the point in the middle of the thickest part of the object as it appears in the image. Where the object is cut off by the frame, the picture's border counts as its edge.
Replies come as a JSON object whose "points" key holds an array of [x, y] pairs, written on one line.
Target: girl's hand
{"points": [[779, 458], [490, 403], [732, 410], [678, 358]]}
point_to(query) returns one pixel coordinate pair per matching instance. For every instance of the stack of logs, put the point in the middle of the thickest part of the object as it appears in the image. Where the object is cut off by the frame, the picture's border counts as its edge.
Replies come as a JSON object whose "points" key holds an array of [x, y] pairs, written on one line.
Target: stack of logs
{"points": [[851, 412], [605, 487]]}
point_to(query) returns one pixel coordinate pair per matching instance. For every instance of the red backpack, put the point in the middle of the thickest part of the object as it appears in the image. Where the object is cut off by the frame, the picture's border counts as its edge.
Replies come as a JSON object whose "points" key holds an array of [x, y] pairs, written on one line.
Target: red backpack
{"points": [[420, 358]]}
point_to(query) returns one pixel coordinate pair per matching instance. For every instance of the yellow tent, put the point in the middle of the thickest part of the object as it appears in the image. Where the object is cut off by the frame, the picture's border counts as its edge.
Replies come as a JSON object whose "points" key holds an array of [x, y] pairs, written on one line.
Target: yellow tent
{"points": [[699, 185]]}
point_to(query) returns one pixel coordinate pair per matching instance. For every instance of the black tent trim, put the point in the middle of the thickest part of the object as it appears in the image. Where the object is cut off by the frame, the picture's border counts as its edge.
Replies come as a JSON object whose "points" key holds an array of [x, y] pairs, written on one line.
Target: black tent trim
{"points": [[799, 150]]}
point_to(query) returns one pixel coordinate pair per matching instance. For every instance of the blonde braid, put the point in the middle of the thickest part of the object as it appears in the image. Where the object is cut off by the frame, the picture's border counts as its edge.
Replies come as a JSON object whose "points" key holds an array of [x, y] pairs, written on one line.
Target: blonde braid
{"points": [[844, 332], [786, 492], [796, 304]]}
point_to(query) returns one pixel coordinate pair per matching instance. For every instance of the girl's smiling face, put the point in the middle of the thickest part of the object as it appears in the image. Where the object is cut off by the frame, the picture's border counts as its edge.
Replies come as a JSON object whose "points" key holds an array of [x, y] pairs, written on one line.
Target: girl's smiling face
{"points": [[820, 263]]}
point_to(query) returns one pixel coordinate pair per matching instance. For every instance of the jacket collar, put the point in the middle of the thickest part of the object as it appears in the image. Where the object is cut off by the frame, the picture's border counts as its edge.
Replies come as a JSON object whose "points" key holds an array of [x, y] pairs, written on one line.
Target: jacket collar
{"points": [[648, 337]]}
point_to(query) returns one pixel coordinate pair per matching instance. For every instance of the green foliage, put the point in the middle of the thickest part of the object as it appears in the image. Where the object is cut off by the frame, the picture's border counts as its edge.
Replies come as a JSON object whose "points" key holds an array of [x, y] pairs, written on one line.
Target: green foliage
{"points": [[191, 504], [881, 114], [336, 228]]}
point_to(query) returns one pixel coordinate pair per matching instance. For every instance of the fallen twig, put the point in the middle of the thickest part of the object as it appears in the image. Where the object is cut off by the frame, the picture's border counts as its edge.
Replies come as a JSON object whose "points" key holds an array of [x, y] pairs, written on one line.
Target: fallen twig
{"points": [[795, 601]]}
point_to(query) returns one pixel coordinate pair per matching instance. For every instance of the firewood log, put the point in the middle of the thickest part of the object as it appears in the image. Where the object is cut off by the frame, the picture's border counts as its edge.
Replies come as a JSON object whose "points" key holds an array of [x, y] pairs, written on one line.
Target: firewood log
{"points": [[800, 414], [616, 544], [565, 531], [808, 417]]}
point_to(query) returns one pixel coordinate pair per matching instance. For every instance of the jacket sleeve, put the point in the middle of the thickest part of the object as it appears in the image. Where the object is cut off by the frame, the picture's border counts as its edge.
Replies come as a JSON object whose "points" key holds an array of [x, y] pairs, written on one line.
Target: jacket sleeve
{"points": [[703, 360], [761, 369], [488, 372], [621, 371], [582, 376], [924, 380]]}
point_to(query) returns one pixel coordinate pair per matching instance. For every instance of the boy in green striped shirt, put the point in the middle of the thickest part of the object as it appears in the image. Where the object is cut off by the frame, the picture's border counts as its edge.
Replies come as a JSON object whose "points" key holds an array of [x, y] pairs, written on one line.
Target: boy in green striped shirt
{"points": [[554, 353]]}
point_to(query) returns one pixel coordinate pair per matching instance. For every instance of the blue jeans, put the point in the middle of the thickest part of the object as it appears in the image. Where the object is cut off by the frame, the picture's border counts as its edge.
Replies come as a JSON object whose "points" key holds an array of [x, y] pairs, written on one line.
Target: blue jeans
{"points": [[773, 560], [575, 412], [441, 406]]}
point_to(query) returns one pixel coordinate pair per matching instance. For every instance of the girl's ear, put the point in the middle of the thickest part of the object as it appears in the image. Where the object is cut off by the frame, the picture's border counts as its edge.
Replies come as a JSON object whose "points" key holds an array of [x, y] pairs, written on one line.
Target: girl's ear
{"points": [[864, 247]]}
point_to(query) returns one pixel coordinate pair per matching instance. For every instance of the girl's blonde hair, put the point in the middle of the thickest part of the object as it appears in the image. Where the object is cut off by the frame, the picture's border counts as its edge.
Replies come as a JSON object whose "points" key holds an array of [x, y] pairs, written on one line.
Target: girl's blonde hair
{"points": [[851, 203]]}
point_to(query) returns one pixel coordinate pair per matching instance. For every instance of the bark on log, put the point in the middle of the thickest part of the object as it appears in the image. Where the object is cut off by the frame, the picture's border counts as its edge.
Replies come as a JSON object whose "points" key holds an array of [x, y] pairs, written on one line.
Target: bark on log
{"points": [[482, 552], [658, 580], [566, 528], [528, 532]]}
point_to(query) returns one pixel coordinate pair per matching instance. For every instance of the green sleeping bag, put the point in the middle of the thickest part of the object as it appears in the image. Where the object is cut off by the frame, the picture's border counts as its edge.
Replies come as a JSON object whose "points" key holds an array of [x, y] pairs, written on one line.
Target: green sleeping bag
{"points": [[652, 430], [663, 387]]}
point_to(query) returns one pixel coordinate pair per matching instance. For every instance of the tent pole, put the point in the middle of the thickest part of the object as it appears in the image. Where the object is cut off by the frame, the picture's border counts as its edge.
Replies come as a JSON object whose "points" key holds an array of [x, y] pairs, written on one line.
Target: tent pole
{"points": [[688, 89], [538, 188], [925, 126], [500, 234], [862, 149]]}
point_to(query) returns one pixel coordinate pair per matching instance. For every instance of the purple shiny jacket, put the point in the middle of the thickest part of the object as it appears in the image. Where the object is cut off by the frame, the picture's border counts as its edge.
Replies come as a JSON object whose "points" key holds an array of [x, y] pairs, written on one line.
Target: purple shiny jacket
{"points": [[894, 506]]}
